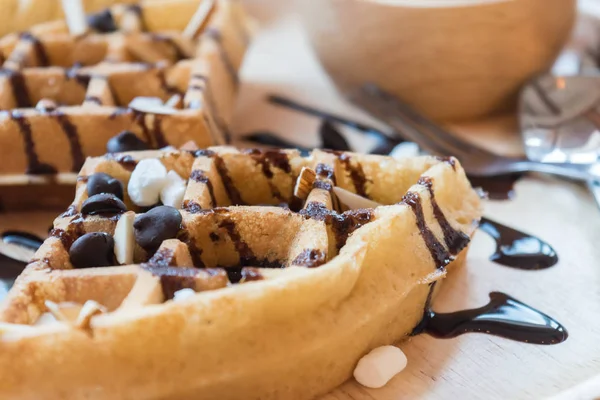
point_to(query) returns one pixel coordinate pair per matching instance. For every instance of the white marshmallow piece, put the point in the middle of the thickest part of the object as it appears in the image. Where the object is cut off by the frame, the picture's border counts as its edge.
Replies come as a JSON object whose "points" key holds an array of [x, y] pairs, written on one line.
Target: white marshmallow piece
{"points": [[405, 150], [124, 238], [183, 294], [146, 181], [352, 200], [379, 366], [46, 319], [173, 191]]}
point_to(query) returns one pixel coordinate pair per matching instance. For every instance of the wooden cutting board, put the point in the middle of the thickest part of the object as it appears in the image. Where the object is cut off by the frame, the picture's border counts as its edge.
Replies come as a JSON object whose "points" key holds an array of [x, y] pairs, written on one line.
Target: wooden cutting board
{"points": [[472, 366]]}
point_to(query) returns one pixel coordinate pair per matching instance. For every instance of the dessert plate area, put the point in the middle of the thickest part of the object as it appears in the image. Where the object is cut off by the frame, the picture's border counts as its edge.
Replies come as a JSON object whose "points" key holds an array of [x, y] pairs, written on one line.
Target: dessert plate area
{"points": [[471, 366]]}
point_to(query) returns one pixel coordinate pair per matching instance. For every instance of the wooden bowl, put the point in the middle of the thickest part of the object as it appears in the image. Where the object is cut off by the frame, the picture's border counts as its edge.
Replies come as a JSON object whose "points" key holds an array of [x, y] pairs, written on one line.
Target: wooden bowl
{"points": [[452, 59]]}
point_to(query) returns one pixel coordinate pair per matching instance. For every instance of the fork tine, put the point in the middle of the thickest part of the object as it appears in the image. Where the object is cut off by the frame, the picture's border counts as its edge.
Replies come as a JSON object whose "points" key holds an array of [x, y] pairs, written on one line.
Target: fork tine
{"points": [[437, 133], [379, 106]]}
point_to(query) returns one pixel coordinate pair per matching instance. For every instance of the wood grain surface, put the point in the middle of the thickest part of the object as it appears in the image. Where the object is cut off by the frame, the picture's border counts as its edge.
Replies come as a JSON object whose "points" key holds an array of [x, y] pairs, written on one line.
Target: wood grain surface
{"points": [[472, 366]]}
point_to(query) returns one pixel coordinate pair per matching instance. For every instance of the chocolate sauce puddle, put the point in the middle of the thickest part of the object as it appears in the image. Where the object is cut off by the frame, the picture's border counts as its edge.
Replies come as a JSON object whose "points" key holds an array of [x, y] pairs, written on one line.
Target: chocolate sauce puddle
{"points": [[10, 268], [518, 249], [24, 239], [503, 316], [498, 188]]}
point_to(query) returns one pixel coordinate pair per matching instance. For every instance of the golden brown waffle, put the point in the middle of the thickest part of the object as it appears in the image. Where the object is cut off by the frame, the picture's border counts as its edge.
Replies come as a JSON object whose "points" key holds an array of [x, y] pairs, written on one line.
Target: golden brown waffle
{"points": [[290, 293], [64, 97]]}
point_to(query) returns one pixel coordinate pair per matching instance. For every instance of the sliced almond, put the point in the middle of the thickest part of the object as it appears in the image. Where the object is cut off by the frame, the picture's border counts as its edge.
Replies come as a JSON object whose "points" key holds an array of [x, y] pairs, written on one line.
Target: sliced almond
{"points": [[125, 238], [151, 105], [199, 19], [63, 312], [304, 182], [352, 200], [75, 16], [89, 309]]}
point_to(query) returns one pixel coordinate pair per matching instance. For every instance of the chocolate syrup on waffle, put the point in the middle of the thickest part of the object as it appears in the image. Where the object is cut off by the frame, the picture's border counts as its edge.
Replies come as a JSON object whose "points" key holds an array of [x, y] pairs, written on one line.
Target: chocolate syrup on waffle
{"points": [[234, 195], [34, 167], [439, 253], [70, 131], [517, 249], [342, 225], [200, 176], [126, 161], [140, 118], [268, 158], [38, 47], [455, 239], [159, 136], [503, 316], [310, 258], [18, 87], [244, 251]]}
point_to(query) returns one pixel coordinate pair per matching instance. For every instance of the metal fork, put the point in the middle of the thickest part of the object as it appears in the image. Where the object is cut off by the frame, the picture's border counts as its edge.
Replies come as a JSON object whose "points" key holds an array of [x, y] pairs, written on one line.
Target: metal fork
{"points": [[413, 126]]}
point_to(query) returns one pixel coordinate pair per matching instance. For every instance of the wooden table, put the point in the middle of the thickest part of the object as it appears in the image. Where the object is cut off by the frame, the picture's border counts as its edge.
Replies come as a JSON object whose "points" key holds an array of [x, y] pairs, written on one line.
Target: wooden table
{"points": [[472, 366]]}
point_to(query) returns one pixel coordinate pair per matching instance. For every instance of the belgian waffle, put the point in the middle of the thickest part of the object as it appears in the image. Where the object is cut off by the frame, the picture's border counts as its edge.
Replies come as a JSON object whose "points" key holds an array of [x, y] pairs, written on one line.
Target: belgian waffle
{"points": [[290, 293], [73, 92]]}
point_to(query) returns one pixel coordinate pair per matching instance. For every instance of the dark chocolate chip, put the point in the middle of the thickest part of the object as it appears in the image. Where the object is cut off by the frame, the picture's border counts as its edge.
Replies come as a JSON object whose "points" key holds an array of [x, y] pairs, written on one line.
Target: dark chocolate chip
{"points": [[102, 22], [103, 183], [103, 203], [94, 249], [126, 141], [155, 226]]}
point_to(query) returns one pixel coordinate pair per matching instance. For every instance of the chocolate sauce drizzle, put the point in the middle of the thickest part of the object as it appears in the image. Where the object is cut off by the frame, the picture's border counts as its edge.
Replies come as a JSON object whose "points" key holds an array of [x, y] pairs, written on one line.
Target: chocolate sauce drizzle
{"points": [[455, 239], [200, 176], [34, 167], [232, 191], [125, 160], [503, 316], [70, 131], [357, 174], [73, 232], [268, 158], [310, 258], [243, 274], [517, 249], [441, 256], [342, 225], [244, 251], [38, 47], [18, 87]]}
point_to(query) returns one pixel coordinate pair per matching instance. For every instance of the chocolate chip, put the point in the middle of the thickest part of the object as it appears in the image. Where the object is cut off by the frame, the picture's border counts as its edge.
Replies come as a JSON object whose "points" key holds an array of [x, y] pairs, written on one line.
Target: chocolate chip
{"points": [[155, 226], [103, 183], [102, 22], [126, 141], [103, 203], [94, 249]]}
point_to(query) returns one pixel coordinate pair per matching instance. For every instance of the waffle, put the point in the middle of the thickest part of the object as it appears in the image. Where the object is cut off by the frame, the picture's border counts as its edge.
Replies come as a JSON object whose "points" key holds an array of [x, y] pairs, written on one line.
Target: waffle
{"points": [[73, 92], [290, 293]]}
